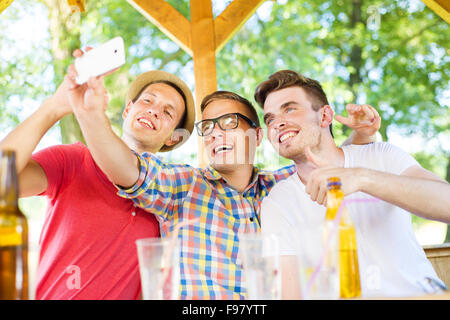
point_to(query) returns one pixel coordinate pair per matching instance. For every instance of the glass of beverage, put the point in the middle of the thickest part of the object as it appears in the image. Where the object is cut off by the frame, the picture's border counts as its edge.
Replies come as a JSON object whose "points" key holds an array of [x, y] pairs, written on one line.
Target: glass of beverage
{"points": [[261, 263], [159, 268], [318, 258]]}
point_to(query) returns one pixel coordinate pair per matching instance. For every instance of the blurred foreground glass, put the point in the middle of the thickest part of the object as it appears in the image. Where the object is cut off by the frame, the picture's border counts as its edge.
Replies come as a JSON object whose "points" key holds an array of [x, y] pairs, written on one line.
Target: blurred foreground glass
{"points": [[261, 263], [318, 258], [159, 268]]}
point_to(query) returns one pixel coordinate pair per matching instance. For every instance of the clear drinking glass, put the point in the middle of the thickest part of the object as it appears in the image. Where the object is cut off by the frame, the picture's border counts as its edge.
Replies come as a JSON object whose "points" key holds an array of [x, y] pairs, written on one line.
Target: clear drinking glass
{"points": [[159, 268], [261, 263], [318, 258]]}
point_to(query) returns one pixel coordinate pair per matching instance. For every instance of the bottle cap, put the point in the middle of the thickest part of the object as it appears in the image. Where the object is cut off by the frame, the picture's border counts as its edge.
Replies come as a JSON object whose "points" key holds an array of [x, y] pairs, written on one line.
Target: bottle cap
{"points": [[334, 181]]}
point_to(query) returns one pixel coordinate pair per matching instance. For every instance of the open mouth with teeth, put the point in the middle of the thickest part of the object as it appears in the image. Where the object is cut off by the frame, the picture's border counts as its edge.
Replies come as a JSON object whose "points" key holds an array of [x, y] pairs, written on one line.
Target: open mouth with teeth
{"points": [[146, 123], [286, 136], [222, 149]]}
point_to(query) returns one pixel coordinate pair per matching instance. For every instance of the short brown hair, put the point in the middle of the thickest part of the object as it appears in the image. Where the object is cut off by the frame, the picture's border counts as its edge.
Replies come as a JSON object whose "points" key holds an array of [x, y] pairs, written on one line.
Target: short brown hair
{"points": [[228, 95], [288, 78]]}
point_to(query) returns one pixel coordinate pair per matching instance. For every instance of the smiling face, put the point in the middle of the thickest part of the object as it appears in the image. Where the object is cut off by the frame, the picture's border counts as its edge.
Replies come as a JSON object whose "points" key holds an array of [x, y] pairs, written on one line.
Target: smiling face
{"points": [[228, 148], [150, 121], [292, 124]]}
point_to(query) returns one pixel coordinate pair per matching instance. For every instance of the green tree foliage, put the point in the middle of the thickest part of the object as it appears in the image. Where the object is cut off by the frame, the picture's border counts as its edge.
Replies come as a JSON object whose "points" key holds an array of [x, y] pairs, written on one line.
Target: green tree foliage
{"points": [[390, 54], [147, 48]]}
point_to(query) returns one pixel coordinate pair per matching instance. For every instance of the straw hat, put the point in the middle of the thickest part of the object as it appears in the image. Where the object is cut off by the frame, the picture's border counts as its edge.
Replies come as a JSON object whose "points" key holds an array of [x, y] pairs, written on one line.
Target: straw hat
{"points": [[155, 76]]}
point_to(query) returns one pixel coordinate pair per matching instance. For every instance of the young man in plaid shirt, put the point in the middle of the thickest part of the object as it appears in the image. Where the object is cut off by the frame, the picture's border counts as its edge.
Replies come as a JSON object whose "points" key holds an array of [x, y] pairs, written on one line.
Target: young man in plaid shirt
{"points": [[225, 197]]}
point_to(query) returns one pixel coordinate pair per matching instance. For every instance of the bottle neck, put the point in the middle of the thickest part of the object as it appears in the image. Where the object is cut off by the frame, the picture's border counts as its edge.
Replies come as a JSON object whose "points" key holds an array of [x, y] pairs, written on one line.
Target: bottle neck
{"points": [[335, 196], [9, 188]]}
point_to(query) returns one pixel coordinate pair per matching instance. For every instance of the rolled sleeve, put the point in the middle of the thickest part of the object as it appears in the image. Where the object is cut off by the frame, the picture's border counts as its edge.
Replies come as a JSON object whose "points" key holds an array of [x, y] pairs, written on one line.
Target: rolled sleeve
{"points": [[140, 186], [161, 187]]}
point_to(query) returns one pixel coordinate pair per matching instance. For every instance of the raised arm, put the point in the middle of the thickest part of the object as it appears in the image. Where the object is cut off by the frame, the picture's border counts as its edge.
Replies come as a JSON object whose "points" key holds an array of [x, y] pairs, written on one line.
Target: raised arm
{"points": [[365, 122], [112, 155], [25, 138]]}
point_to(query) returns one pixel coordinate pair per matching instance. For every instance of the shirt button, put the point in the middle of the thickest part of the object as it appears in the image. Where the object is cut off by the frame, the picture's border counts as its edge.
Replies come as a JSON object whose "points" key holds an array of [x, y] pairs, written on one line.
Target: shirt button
{"points": [[251, 219], [133, 213]]}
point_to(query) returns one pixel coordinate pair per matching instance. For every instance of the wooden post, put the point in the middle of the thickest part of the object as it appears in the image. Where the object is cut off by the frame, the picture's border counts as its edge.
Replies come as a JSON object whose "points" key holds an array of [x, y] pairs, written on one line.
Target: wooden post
{"points": [[203, 49], [202, 38]]}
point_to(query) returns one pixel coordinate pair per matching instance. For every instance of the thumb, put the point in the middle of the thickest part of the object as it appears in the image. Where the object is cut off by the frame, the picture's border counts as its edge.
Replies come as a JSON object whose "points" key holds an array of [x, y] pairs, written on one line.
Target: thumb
{"points": [[315, 159]]}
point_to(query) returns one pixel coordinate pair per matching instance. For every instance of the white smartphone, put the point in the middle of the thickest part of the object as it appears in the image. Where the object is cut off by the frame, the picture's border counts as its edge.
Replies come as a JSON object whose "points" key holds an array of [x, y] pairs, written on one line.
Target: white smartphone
{"points": [[98, 61]]}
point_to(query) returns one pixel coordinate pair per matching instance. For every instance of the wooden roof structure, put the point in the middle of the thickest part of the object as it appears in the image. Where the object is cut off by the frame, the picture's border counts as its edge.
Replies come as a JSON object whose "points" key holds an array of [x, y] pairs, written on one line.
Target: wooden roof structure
{"points": [[204, 36]]}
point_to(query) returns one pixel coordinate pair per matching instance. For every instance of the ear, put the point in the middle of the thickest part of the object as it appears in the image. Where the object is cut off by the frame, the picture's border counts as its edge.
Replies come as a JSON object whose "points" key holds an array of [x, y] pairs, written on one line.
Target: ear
{"points": [[259, 136], [326, 116], [127, 109], [174, 138]]}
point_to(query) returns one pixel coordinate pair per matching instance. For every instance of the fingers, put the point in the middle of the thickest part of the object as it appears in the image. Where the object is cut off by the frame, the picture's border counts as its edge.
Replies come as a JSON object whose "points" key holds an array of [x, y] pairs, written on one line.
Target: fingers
{"points": [[316, 187], [71, 75], [359, 116], [322, 197], [96, 84], [368, 113], [353, 108], [343, 120], [365, 110], [376, 117], [78, 52]]}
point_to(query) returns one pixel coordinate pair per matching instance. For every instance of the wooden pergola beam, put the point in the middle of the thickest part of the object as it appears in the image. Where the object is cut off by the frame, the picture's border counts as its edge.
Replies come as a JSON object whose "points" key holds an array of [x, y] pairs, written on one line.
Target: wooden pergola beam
{"points": [[203, 48], [77, 4], [440, 7], [232, 19], [167, 19]]}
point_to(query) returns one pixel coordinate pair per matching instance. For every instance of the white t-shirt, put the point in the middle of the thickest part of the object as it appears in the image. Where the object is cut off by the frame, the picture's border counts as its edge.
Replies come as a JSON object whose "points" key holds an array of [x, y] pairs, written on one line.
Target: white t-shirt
{"points": [[391, 261]]}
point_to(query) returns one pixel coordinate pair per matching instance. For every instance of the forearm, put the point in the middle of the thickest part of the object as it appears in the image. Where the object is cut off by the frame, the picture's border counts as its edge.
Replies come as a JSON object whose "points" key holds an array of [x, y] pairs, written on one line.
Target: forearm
{"points": [[110, 153], [26, 136], [424, 197]]}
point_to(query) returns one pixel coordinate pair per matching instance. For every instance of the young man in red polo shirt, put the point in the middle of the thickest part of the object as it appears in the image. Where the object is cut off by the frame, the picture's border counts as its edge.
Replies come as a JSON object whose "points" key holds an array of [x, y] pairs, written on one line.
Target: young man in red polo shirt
{"points": [[87, 245]]}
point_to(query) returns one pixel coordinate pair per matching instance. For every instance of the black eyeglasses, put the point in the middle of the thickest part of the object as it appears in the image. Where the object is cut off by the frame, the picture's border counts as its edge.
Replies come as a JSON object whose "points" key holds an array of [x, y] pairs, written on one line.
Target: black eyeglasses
{"points": [[227, 121]]}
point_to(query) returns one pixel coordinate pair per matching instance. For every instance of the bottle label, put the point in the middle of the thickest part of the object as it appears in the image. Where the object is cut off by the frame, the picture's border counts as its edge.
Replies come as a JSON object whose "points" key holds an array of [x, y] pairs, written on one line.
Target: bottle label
{"points": [[10, 236]]}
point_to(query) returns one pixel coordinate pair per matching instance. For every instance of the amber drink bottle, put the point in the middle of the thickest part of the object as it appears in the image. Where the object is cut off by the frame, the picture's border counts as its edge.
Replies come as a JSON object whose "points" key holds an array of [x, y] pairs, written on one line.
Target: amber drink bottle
{"points": [[13, 234], [350, 286]]}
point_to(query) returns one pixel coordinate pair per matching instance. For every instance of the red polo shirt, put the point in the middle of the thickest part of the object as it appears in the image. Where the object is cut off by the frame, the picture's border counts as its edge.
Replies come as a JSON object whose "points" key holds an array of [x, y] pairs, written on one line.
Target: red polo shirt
{"points": [[87, 245]]}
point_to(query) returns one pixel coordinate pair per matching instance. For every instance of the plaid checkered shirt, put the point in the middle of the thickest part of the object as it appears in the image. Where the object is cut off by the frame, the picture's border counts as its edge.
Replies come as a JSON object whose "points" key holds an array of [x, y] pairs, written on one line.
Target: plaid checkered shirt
{"points": [[210, 267]]}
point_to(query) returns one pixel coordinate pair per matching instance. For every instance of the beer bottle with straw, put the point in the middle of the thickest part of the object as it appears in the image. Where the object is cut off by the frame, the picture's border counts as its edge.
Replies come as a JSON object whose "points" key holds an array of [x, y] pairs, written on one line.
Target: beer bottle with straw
{"points": [[350, 286]]}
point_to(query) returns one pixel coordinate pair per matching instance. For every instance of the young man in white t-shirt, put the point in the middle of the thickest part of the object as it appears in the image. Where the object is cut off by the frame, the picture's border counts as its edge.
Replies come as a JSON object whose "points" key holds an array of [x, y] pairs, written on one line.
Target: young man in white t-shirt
{"points": [[391, 261]]}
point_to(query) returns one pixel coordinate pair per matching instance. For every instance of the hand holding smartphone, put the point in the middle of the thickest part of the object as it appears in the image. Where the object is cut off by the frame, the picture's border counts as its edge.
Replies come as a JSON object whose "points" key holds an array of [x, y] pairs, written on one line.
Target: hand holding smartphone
{"points": [[100, 60]]}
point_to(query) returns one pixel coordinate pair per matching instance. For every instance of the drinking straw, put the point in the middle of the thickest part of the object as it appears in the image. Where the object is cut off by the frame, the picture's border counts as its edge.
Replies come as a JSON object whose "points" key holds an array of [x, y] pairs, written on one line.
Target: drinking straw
{"points": [[167, 254], [329, 238]]}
